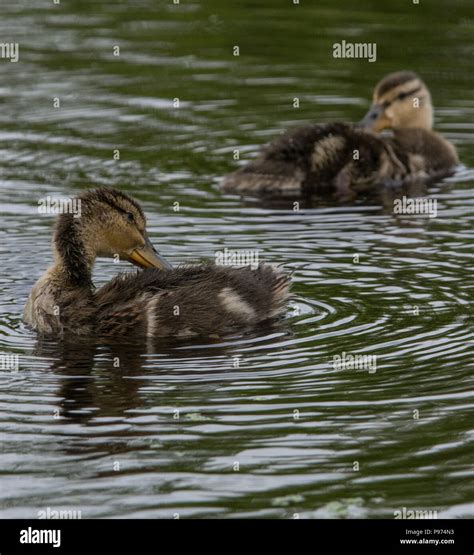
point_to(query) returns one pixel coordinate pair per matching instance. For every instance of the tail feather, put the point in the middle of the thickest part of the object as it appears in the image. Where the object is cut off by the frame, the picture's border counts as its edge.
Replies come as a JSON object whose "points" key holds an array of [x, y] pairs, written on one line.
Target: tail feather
{"points": [[280, 293]]}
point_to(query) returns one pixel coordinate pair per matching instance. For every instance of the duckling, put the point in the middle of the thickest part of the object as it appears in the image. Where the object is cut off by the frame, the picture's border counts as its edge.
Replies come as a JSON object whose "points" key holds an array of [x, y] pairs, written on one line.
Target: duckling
{"points": [[160, 301], [344, 159]]}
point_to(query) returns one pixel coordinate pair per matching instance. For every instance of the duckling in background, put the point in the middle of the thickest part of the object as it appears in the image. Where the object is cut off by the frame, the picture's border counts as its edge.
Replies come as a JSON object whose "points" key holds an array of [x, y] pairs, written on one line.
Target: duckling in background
{"points": [[160, 301], [345, 160]]}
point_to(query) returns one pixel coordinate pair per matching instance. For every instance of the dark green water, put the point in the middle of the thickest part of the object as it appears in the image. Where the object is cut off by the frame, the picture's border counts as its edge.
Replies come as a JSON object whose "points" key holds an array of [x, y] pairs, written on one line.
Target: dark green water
{"points": [[178, 419]]}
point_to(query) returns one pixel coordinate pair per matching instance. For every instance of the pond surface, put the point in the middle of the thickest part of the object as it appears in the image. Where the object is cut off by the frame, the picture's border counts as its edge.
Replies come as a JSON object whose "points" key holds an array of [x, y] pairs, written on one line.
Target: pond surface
{"points": [[261, 425]]}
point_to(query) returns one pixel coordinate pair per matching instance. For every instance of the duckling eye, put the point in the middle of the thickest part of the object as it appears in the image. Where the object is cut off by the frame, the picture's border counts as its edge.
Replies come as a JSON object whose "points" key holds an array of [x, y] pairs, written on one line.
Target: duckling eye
{"points": [[130, 217]]}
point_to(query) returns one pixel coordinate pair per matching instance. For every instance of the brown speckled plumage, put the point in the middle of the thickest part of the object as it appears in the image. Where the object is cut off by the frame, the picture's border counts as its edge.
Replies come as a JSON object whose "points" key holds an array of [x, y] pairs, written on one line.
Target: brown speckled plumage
{"points": [[190, 300], [197, 300], [343, 159]]}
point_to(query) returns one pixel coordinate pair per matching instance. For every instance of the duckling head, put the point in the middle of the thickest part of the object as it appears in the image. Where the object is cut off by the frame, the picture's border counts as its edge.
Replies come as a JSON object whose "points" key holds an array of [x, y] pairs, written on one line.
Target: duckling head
{"points": [[400, 100], [110, 224]]}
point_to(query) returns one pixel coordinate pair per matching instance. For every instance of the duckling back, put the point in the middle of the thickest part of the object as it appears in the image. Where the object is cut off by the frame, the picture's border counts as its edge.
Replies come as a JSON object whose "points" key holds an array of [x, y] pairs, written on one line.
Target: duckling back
{"points": [[285, 166], [203, 300], [340, 159]]}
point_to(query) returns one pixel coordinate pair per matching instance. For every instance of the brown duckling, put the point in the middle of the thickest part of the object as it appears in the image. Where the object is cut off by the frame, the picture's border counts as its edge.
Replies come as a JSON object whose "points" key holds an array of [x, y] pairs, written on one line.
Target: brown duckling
{"points": [[197, 300], [344, 159]]}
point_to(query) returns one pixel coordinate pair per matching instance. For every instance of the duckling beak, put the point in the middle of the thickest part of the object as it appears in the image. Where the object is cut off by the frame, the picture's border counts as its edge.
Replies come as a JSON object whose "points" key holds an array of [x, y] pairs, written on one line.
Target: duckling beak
{"points": [[148, 257], [371, 118]]}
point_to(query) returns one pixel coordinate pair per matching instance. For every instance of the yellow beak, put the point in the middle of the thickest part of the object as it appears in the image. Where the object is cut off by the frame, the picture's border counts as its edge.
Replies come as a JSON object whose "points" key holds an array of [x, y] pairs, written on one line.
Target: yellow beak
{"points": [[148, 257]]}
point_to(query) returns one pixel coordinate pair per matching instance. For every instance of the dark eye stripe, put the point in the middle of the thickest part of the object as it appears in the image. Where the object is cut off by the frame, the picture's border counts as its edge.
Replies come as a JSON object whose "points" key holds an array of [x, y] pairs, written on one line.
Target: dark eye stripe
{"points": [[403, 95]]}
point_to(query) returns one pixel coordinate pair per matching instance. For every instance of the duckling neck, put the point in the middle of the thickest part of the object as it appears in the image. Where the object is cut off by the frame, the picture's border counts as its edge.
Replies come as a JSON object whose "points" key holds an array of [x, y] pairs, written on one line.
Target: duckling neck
{"points": [[73, 260]]}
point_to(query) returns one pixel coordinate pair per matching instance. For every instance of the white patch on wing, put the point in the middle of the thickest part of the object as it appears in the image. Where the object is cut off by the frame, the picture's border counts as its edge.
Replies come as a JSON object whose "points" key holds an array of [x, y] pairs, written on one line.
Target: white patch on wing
{"points": [[186, 332], [233, 302], [150, 312], [325, 151]]}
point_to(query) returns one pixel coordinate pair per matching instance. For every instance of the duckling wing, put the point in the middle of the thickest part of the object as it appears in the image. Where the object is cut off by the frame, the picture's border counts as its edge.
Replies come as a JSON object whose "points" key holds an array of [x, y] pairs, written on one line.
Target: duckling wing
{"points": [[310, 156], [191, 300]]}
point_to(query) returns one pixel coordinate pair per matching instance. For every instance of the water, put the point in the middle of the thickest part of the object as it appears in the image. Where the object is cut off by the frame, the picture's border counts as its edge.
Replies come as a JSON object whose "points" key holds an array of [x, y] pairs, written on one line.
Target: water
{"points": [[162, 433]]}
